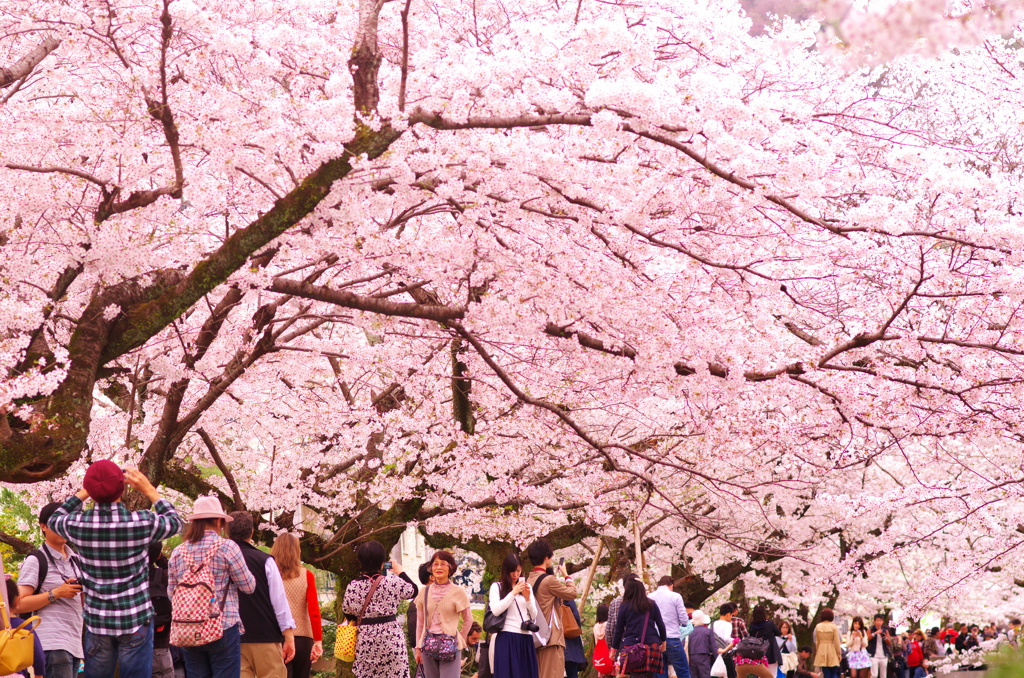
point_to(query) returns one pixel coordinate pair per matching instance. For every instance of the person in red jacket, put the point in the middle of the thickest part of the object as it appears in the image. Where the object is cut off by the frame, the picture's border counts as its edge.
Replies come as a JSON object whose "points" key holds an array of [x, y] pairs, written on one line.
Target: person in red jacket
{"points": [[915, 654]]}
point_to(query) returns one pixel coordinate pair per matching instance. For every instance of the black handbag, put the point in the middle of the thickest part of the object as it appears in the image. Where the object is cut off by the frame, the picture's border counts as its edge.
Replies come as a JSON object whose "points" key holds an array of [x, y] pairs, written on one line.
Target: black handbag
{"points": [[493, 623], [752, 648]]}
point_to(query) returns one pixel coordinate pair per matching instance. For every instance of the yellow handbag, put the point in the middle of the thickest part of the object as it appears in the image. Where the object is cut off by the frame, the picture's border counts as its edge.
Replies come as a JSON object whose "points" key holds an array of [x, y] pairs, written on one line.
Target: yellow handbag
{"points": [[17, 646], [345, 642], [348, 632]]}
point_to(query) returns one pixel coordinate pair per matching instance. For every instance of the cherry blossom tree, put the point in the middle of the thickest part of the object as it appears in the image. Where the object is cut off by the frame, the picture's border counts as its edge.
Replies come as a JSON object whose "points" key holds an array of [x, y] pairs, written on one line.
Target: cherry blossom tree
{"points": [[503, 270]]}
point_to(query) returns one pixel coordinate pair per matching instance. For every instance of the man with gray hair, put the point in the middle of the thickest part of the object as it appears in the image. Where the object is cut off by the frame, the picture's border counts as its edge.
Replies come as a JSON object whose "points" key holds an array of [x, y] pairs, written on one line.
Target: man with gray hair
{"points": [[269, 639]]}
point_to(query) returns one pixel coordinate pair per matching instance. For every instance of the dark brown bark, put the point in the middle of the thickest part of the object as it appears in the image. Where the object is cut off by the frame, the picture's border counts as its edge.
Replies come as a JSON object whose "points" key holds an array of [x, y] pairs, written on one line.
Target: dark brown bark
{"points": [[20, 546], [35, 450], [24, 66], [146, 320], [364, 63], [347, 299]]}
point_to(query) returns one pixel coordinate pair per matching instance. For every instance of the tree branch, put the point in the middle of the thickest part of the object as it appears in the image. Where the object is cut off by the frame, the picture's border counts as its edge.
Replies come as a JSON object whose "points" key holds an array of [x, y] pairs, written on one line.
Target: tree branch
{"points": [[587, 341], [208, 441], [438, 121], [24, 66], [62, 170], [20, 546], [143, 322], [365, 60], [370, 304], [405, 55]]}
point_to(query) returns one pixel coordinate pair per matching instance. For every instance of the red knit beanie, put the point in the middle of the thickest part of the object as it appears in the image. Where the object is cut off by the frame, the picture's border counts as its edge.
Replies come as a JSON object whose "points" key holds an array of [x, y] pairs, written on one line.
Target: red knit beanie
{"points": [[104, 481]]}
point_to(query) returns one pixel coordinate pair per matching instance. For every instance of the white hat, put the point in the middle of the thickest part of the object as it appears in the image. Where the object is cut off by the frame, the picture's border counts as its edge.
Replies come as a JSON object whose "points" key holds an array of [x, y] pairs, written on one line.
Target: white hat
{"points": [[208, 507], [699, 618]]}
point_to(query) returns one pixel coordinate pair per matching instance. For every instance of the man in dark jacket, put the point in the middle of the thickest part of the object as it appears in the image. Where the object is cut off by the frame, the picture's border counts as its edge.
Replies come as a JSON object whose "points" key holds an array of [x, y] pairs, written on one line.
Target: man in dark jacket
{"points": [[961, 637], [879, 647], [269, 639], [803, 666]]}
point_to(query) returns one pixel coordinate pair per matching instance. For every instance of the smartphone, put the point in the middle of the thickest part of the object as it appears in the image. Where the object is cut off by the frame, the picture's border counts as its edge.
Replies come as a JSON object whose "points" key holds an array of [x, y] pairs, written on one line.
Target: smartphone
{"points": [[522, 580], [387, 566], [561, 561]]}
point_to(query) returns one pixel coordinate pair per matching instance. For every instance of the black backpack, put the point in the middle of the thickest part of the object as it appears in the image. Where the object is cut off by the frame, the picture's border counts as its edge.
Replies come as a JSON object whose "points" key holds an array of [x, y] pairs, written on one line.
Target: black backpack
{"points": [[752, 648], [158, 581]]}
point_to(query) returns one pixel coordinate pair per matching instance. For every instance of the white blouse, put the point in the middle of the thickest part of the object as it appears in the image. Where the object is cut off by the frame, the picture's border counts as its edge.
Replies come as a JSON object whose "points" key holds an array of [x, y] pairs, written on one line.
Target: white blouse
{"points": [[515, 612]]}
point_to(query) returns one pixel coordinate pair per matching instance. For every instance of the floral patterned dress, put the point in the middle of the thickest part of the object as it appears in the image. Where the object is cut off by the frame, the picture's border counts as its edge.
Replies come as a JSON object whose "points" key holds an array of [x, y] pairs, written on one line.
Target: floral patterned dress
{"points": [[380, 648]]}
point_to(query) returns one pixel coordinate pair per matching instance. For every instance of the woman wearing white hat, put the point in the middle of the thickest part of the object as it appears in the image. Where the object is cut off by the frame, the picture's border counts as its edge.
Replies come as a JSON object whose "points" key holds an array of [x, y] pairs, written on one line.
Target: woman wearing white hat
{"points": [[204, 543]]}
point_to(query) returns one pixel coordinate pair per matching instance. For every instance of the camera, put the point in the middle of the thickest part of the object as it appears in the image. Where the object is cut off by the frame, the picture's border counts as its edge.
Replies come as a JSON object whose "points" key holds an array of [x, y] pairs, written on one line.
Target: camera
{"points": [[528, 625]]}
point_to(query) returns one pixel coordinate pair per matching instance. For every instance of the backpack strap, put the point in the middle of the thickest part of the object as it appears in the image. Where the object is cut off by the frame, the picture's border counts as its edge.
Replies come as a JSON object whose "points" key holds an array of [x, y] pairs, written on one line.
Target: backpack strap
{"points": [[44, 567], [190, 561], [536, 584], [643, 634]]}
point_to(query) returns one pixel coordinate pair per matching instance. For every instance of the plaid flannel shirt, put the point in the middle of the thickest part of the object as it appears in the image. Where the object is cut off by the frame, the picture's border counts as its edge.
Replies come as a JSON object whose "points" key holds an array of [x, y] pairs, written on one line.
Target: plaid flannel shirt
{"points": [[739, 628], [613, 616], [112, 544], [230, 573]]}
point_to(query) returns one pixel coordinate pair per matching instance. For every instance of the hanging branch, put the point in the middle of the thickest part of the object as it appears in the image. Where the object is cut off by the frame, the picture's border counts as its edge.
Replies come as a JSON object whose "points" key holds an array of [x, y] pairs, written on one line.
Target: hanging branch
{"points": [[235, 494]]}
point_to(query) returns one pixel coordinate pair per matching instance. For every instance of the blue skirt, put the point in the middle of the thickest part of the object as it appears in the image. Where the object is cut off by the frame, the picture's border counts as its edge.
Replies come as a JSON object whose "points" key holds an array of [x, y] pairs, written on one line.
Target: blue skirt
{"points": [[514, 656]]}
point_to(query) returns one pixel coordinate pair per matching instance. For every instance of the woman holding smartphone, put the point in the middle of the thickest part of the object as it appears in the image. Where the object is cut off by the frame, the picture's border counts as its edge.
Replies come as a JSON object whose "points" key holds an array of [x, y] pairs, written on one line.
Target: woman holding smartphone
{"points": [[511, 651]]}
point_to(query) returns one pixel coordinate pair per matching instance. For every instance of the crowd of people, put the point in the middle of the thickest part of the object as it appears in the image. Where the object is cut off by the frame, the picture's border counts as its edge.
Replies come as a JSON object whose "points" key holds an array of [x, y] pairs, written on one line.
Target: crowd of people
{"points": [[220, 607], [114, 605]]}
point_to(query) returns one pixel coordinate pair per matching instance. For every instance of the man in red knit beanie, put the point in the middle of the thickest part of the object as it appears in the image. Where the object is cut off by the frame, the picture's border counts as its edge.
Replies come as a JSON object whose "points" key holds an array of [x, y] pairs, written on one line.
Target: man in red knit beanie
{"points": [[113, 545]]}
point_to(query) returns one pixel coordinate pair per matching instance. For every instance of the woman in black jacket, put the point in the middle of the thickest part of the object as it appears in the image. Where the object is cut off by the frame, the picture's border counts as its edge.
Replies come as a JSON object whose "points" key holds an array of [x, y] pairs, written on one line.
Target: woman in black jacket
{"points": [[764, 628], [639, 622]]}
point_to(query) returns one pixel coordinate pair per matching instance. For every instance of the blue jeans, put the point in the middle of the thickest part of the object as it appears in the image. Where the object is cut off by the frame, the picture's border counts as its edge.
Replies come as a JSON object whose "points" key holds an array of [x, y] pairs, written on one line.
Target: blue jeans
{"points": [[130, 653], [220, 659], [61, 664], [830, 671], [676, 656], [917, 672]]}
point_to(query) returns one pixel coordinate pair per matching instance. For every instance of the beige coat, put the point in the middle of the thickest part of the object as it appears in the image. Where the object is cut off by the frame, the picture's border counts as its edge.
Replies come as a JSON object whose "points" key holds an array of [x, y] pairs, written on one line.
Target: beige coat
{"points": [[450, 610], [552, 591], [827, 648]]}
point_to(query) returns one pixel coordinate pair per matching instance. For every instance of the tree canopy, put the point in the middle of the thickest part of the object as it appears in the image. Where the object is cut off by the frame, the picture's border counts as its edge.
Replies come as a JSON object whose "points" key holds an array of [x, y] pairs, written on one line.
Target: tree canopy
{"points": [[507, 269]]}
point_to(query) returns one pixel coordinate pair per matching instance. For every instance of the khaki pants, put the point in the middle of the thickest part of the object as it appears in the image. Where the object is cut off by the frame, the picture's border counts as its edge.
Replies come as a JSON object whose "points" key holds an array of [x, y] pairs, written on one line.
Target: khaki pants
{"points": [[759, 670], [262, 660], [878, 667], [551, 662]]}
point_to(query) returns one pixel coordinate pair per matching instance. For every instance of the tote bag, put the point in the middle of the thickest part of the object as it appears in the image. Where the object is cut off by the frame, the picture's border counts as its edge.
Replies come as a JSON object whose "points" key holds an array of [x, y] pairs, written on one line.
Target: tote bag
{"points": [[603, 663], [17, 646], [348, 633]]}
